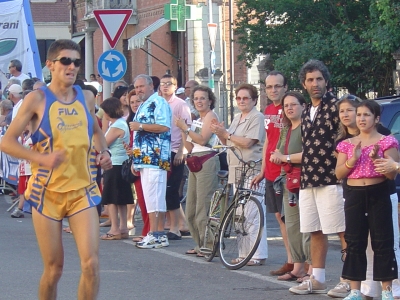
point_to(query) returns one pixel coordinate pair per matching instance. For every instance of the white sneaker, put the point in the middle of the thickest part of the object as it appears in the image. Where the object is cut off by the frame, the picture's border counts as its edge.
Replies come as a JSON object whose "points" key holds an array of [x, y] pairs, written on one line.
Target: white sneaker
{"points": [[17, 213], [310, 286], [149, 242], [341, 290], [163, 240]]}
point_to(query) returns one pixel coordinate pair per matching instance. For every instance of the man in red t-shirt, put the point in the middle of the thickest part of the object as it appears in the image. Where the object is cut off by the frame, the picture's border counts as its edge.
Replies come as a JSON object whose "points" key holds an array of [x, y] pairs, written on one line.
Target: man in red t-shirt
{"points": [[276, 87]]}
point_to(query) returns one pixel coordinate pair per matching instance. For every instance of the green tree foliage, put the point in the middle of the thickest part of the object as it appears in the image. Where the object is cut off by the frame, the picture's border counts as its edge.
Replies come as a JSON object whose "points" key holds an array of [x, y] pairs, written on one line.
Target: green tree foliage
{"points": [[355, 38]]}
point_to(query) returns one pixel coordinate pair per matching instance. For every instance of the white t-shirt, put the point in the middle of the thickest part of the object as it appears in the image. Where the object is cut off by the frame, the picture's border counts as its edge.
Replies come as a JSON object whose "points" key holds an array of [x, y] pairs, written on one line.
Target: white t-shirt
{"points": [[21, 77], [15, 109]]}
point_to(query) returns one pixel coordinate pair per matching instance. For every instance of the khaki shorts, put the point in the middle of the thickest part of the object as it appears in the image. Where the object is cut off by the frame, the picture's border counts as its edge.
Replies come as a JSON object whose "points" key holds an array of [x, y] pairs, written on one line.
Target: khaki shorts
{"points": [[322, 208], [56, 205]]}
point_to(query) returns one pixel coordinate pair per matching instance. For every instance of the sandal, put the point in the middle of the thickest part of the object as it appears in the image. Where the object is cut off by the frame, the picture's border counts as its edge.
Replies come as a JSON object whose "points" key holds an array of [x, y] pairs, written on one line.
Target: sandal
{"points": [[191, 251], [289, 276], [124, 235], [111, 237], [200, 254], [255, 262], [236, 260], [301, 279], [105, 224], [137, 239], [67, 230]]}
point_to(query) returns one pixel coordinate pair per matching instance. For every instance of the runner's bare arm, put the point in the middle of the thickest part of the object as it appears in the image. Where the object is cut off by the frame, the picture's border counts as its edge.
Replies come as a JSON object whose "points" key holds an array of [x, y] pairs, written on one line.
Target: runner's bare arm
{"points": [[31, 107]]}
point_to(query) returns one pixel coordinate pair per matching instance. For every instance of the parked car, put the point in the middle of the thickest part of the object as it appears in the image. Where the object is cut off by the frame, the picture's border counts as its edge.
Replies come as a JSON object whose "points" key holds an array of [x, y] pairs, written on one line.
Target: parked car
{"points": [[390, 118]]}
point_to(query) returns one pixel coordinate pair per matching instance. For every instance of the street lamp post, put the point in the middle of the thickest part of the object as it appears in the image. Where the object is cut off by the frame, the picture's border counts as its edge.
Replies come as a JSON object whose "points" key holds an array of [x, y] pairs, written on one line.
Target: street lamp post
{"points": [[396, 72]]}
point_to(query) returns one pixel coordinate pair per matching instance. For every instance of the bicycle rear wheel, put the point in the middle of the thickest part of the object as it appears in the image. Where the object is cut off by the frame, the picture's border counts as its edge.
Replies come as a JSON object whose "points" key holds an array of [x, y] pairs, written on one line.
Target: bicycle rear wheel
{"points": [[240, 233]]}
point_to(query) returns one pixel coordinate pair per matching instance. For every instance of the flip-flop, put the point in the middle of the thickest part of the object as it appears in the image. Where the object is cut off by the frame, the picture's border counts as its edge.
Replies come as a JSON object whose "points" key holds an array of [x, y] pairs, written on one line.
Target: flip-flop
{"points": [[111, 237], [105, 224], [255, 262], [291, 277], [67, 230], [191, 251], [137, 239], [185, 233], [200, 254]]}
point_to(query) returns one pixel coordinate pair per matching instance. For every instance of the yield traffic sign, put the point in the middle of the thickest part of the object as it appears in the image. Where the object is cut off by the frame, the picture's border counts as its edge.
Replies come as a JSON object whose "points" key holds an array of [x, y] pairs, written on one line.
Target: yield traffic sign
{"points": [[112, 22], [112, 65]]}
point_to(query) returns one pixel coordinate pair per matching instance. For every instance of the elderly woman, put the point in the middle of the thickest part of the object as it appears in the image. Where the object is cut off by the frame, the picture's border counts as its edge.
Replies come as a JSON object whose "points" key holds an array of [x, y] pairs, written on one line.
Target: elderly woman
{"points": [[202, 184], [117, 192], [247, 134]]}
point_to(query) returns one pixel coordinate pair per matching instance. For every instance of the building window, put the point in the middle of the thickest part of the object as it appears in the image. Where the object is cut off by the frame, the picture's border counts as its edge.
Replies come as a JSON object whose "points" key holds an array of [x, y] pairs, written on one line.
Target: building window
{"points": [[43, 46]]}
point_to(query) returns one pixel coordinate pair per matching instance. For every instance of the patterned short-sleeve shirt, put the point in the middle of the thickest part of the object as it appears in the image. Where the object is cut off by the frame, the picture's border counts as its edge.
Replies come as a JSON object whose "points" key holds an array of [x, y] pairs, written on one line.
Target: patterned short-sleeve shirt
{"points": [[153, 150], [318, 141]]}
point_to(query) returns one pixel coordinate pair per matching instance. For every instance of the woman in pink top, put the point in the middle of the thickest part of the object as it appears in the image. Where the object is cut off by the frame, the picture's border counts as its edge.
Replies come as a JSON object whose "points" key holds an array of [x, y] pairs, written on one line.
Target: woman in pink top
{"points": [[368, 207]]}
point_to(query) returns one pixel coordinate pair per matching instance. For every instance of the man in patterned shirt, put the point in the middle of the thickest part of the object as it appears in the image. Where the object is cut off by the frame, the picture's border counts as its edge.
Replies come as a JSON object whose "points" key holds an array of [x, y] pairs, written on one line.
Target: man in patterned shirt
{"points": [[321, 198], [152, 156]]}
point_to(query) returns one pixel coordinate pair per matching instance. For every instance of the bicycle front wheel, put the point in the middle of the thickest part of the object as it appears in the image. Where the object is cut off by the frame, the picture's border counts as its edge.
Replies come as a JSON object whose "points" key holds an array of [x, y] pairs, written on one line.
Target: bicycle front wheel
{"points": [[241, 232]]}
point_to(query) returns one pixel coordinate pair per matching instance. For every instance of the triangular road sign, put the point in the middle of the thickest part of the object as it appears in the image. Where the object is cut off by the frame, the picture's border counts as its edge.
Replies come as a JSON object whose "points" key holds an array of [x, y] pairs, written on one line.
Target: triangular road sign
{"points": [[112, 22]]}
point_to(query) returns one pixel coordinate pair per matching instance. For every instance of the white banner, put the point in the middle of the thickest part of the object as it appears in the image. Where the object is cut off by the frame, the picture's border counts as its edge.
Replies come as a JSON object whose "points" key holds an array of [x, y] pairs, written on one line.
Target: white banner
{"points": [[17, 39]]}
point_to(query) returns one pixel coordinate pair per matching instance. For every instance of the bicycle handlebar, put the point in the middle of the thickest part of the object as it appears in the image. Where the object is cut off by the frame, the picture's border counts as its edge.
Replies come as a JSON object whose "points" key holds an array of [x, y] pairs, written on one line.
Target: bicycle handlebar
{"points": [[250, 163]]}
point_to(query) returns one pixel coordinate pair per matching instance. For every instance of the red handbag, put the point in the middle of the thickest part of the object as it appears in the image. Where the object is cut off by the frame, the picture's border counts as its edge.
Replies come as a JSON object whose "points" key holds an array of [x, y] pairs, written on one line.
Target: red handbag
{"points": [[292, 173]]}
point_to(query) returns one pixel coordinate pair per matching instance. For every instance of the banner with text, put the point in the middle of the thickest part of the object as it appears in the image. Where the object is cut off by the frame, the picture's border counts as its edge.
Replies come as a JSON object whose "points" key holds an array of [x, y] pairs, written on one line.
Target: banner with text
{"points": [[17, 39]]}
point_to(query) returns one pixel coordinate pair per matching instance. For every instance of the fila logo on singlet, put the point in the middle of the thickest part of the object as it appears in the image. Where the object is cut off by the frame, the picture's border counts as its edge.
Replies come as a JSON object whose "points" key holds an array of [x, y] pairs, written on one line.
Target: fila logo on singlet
{"points": [[67, 112]]}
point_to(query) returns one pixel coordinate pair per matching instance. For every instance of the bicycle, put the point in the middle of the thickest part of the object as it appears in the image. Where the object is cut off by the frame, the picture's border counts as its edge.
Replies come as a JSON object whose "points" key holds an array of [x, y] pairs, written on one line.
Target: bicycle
{"points": [[242, 223]]}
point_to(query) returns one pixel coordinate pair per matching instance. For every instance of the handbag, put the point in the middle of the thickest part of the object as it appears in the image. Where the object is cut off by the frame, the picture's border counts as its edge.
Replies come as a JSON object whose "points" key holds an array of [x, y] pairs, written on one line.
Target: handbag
{"points": [[195, 163], [126, 171], [292, 173]]}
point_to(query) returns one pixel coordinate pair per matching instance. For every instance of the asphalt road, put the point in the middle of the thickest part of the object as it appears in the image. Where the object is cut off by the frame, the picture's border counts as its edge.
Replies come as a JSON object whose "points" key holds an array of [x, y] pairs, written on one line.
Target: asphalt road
{"points": [[131, 273]]}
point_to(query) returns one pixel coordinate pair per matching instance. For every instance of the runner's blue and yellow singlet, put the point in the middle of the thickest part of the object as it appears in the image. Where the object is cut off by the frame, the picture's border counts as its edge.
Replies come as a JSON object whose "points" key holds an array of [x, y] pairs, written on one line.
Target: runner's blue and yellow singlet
{"points": [[66, 127]]}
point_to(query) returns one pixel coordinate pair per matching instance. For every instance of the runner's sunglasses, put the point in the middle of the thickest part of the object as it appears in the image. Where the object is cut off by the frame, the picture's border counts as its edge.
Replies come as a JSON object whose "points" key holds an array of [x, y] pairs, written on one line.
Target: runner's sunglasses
{"points": [[66, 61]]}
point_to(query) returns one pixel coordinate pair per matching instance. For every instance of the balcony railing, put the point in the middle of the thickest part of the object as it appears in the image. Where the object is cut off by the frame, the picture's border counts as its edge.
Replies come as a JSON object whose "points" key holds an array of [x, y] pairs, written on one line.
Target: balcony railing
{"points": [[109, 4]]}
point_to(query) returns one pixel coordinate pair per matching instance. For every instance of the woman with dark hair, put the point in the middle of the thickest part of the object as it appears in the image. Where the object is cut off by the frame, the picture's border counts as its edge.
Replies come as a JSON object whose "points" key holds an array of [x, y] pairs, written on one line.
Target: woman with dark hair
{"points": [[347, 106], [247, 134], [368, 207], [293, 104], [199, 140], [117, 192], [120, 93]]}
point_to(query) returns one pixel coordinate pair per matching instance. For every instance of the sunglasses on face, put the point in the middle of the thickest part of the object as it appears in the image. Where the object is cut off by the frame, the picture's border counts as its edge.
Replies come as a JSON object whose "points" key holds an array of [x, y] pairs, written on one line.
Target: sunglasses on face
{"points": [[66, 61]]}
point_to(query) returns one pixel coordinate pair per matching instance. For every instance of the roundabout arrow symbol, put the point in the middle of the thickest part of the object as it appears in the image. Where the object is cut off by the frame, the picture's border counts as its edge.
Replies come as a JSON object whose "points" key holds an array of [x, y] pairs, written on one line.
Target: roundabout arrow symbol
{"points": [[105, 70], [119, 69], [111, 56]]}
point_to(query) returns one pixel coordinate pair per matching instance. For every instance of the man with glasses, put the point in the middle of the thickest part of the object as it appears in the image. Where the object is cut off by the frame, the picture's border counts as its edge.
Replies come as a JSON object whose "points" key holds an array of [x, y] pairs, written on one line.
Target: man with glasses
{"points": [[63, 161], [179, 110], [152, 156], [15, 69], [276, 87]]}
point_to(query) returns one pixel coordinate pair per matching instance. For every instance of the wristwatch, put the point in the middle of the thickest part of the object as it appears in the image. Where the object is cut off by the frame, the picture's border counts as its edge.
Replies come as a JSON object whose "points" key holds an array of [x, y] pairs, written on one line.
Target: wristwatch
{"points": [[141, 127], [106, 150], [288, 159], [229, 136], [187, 130]]}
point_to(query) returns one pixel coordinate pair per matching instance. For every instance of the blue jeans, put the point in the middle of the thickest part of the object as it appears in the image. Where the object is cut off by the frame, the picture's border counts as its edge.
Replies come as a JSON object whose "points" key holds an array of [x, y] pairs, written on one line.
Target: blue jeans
{"points": [[368, 209]]}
